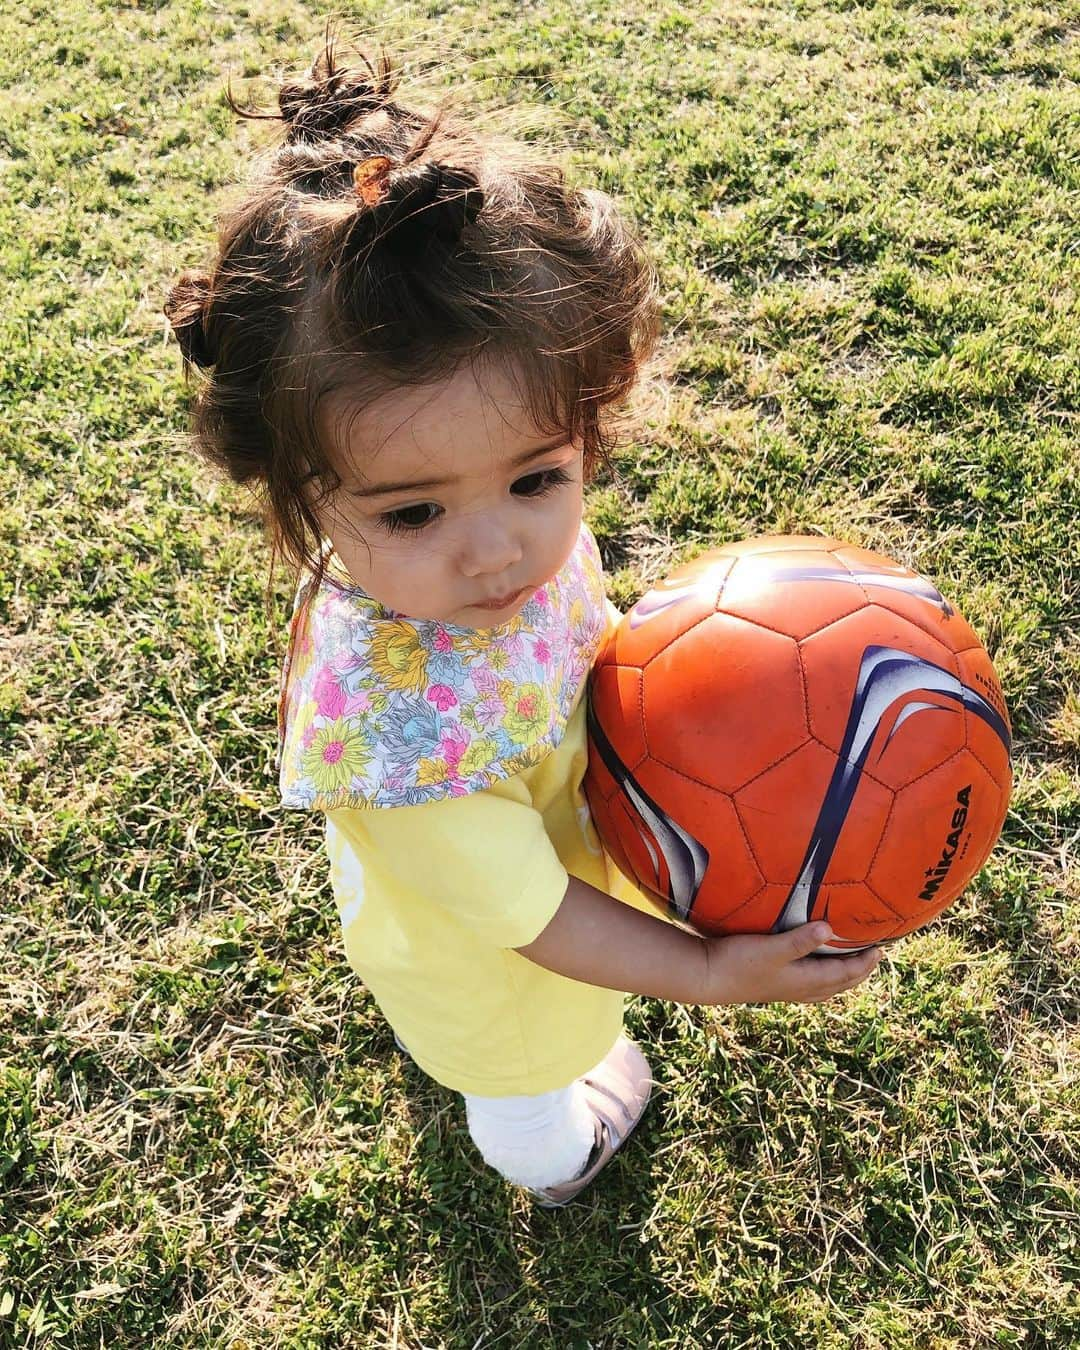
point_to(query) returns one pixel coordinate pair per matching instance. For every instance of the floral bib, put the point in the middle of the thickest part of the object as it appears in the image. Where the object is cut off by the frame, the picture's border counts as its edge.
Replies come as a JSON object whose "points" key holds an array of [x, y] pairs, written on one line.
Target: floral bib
{"points": [[377, 709]]}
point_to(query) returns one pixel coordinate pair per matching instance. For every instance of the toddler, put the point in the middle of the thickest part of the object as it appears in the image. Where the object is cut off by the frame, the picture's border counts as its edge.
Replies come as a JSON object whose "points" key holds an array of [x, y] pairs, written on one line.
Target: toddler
{"points": [[411, 333]]}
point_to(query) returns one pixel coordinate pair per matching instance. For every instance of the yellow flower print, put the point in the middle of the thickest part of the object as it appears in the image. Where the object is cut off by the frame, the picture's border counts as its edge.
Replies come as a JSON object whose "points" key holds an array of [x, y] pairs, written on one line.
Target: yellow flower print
{"points": [[337, 752], [398, 658], [478, 756], [498, 658], [429, 772], [303, 656], [465, 643], [303, 717], [471, 645], [528, 712]]}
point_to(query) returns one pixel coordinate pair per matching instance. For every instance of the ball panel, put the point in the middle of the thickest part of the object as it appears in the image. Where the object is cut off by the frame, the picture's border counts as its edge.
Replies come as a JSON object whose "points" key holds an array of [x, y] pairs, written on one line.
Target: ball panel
{"points": [[615, 696], [777, 543], [790, 591], [755, 915], [707, 815], [940, 831], [782, 810], [858, 917], [884, 694], [989, 730], [619, 828], [634, 858], [666, 610], [654, 856], [599, 783], [909, 594], [993, 831], [596, 786], [744, 684]]}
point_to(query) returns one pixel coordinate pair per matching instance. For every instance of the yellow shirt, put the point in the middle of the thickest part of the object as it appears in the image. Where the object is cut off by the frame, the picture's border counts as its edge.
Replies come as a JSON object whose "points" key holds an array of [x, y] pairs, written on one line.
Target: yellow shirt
{"points": [[433, 898]]}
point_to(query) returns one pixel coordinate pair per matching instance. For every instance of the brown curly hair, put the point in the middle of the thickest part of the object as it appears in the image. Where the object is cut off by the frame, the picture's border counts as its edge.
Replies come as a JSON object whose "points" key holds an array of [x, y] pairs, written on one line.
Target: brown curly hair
{"points": [[460, 245]]}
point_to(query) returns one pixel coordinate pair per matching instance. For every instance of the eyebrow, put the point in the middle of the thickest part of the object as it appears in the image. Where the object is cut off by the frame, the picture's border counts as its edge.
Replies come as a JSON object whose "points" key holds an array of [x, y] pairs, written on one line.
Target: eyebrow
{"points": [[384, 489]]}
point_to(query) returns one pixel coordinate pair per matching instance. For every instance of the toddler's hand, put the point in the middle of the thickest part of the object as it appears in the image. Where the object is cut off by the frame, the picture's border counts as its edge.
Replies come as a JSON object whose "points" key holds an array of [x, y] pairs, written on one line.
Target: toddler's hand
{"points": [[778, 967]]}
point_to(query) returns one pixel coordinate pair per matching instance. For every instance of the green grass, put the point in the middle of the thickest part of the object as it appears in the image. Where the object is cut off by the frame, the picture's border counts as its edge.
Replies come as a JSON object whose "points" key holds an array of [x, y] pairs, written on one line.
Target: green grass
{"points": [[865, 216]]}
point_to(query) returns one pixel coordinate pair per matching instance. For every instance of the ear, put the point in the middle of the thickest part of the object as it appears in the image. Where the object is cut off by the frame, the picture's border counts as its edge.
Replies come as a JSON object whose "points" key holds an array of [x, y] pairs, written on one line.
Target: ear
{"points": [[185, 309]]}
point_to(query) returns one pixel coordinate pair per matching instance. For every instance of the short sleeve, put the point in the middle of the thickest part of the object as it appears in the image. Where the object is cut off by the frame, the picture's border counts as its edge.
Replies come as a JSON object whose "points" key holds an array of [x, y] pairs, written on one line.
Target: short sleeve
{"points": [[485, 856]]}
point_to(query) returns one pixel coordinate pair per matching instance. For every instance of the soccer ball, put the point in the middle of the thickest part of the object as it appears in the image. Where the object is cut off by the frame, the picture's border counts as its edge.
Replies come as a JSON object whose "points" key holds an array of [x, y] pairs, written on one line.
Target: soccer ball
{"points": [[792, 728]]}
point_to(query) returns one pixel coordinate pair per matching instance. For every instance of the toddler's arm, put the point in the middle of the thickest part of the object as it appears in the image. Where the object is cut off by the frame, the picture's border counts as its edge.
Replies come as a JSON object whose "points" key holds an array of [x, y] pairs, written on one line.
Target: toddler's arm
{"points": [[598, 940]]}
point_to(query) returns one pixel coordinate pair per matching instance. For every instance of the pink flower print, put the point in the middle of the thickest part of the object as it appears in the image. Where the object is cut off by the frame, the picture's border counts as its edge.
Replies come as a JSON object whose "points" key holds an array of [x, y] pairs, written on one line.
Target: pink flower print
{"points": [[443, 641], [332, 751], [308, 736], [541, 596], [485, 681], [458, 790], [542, 651], [327, 693], [442, 696], [453, 746]]}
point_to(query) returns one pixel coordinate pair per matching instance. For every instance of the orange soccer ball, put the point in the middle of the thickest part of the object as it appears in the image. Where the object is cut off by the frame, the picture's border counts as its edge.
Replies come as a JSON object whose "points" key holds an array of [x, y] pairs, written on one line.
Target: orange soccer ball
{"points": [[792, 728]]}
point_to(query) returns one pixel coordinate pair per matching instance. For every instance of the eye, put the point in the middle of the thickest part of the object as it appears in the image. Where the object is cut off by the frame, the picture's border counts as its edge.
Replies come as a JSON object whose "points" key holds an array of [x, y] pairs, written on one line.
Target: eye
{"points": [[409, 519], [537, 484]]}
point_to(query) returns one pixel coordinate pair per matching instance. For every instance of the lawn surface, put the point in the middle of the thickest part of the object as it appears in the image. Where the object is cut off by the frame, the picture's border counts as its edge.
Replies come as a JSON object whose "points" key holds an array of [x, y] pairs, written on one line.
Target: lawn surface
{"points": [[866, 221]]}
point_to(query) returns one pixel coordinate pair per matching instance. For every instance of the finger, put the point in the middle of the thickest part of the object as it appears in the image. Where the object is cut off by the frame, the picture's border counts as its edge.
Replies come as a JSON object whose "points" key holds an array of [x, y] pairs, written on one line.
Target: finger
{"points": [[823, 979], [857, 968], [862, 963], [851, 979], [799, 942]]}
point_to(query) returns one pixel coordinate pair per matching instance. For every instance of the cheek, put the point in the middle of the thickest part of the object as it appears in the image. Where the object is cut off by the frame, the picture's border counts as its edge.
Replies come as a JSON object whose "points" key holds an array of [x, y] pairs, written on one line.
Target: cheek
{"points": [[556, 534], [570, 514]]}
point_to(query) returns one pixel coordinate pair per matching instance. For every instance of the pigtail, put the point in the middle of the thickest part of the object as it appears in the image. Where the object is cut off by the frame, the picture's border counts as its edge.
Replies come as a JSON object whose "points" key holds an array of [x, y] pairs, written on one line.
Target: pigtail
{"points": [[186, 309], [331, 97], [406, 207]]}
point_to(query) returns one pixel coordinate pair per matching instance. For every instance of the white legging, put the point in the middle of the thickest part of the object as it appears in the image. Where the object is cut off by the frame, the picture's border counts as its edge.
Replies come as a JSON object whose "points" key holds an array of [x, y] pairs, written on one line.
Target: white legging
{"points": [[533, 1141]]}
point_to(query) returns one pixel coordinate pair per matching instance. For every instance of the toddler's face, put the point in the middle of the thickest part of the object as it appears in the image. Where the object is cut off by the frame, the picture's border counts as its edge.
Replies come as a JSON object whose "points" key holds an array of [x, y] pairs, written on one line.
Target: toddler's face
{"points": [[451, 505]]}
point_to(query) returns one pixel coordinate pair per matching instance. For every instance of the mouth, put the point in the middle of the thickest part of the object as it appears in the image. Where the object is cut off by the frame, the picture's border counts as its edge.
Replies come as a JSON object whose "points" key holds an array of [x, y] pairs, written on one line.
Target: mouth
{"points": [[502, 601]]}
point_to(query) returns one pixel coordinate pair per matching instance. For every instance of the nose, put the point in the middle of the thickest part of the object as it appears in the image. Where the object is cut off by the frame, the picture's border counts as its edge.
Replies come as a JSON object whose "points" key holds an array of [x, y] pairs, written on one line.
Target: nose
{"points": [[489, 546]]}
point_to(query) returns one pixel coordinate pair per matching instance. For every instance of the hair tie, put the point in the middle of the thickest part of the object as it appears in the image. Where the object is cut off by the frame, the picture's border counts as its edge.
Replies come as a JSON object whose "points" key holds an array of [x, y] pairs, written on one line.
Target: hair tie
{"points": [[371, 179]]}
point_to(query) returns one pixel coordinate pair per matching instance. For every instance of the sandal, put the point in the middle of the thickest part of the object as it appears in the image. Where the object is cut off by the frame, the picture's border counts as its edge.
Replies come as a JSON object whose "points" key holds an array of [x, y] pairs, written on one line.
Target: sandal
{"points": [[618, 1091]]}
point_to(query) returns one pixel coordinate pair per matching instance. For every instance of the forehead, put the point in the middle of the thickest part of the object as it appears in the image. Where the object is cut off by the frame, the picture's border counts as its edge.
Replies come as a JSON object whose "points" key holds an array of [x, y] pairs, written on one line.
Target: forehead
{"points": [[460, 425]]}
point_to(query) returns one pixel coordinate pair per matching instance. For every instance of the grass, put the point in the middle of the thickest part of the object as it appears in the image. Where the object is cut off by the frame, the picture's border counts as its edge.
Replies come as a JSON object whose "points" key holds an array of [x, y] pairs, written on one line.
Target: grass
{"points": [[865, 216]]}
